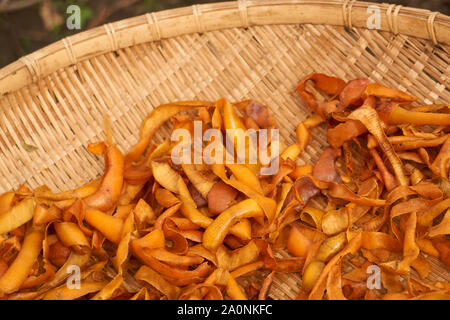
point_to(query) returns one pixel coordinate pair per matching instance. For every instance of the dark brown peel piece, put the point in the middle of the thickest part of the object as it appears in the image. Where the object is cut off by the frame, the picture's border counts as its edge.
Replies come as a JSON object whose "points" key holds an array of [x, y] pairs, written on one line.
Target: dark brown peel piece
{"points": [[221, 197], [325, 169]]}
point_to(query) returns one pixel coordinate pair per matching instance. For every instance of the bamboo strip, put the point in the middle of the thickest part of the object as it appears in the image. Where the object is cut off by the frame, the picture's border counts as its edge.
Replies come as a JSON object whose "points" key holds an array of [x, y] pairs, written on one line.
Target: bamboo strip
{"points": [[218, 16]]}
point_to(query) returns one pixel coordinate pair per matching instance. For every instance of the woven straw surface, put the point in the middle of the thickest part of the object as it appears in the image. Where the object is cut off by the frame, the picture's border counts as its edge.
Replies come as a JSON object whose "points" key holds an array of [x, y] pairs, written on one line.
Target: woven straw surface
{"points": [[49, 116]]}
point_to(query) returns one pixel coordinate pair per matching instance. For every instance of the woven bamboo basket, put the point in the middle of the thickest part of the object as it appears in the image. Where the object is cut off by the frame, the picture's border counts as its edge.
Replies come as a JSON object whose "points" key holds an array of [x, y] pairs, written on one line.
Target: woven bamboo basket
{"points": [[53, 101]]}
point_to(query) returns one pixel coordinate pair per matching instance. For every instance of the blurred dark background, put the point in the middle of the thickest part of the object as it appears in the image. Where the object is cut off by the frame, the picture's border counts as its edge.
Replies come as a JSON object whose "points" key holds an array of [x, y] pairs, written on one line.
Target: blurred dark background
{"points": [[27, 25]]}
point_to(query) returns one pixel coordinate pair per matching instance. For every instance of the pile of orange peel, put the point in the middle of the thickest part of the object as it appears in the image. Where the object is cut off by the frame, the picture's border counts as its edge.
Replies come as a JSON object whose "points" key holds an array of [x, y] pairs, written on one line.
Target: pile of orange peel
{"points": [[150, 229]]}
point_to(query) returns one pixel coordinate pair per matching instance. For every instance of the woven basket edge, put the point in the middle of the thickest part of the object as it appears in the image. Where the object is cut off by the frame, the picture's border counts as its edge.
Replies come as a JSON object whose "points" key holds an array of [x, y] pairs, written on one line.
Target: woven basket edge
{"points": [[74, 49]]}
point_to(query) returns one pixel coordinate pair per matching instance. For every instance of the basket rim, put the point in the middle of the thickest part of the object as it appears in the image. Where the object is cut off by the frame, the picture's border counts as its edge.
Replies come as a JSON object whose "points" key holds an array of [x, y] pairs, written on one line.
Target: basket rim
{"points": [[396, 19]]}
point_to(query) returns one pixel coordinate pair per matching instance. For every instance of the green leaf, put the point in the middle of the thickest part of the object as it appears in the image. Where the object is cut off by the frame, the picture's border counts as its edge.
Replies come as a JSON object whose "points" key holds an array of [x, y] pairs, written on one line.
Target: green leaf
{"points": [[152, 5], [28, 147], [25, 43], [86, 14]]}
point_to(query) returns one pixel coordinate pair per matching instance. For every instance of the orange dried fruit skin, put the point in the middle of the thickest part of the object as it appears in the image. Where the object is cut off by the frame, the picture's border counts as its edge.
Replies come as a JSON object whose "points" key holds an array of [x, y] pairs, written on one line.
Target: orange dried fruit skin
{"points": [[58, 254], [190, 231]]}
